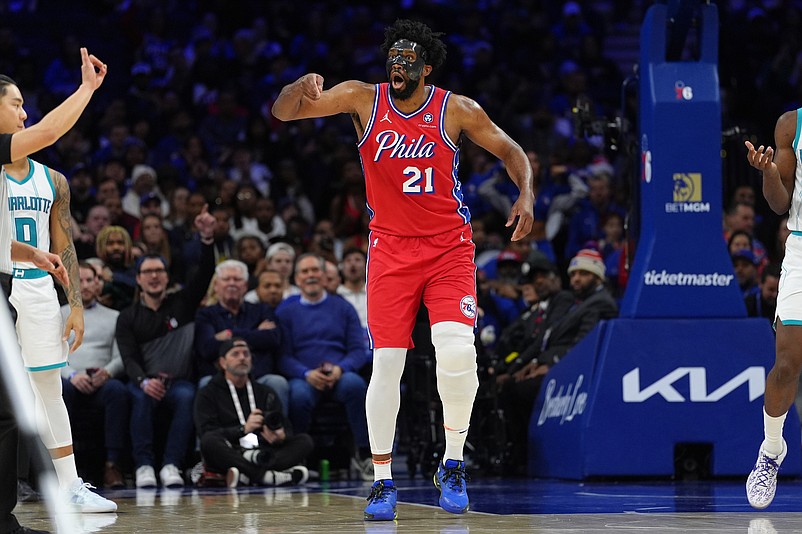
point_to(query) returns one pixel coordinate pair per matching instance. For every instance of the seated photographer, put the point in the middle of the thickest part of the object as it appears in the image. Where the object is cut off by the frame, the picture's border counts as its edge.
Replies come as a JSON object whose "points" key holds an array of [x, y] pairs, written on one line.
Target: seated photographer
{"points": [[258, 448]]}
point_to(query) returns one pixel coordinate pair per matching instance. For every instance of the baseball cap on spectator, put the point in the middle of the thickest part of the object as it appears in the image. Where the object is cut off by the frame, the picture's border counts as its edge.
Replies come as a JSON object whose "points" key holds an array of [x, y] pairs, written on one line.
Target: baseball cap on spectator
{"points": [[588, 260], [744, 255], [275, 248], [508, 255], [149, 196], [140, 170], [229, 344], [536, 263]]}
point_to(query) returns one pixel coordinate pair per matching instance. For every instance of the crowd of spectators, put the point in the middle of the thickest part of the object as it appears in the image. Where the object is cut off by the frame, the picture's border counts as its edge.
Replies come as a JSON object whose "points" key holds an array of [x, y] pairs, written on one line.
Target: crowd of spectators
{"points": [[184, 121]]}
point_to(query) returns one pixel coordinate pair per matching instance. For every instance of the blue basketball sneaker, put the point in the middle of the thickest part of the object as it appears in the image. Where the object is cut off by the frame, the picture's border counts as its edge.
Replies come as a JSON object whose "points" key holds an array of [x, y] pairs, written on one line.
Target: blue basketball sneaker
{"points": [[450, 479], [381, 502]]}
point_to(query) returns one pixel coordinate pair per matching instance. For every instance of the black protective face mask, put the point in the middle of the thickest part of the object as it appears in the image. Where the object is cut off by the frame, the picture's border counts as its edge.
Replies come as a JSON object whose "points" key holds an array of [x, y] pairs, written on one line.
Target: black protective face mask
{"points": [[413, 69]]}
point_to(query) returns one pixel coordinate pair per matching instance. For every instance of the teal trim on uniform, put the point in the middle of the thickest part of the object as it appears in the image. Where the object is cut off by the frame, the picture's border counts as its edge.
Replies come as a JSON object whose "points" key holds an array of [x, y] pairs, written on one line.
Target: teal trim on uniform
{"points": [[46, 367], [28, 274], [28, 177], [796, 232], [50, 181], [791, 322], [798, 129]]}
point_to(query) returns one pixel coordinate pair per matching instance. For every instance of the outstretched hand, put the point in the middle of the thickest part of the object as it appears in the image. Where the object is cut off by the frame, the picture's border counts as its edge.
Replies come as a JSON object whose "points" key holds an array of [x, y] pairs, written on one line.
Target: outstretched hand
{"points": [[89, 76], [761, 158]]}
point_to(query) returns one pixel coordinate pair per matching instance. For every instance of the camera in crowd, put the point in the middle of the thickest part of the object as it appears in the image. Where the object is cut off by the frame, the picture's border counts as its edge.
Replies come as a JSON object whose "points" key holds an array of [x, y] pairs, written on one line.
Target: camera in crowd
{"points": [[274, 421], [615, 133]]}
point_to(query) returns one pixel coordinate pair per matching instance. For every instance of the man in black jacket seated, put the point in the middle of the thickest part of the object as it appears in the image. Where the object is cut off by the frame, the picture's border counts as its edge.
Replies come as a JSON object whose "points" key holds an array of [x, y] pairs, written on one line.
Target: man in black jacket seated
{"points": [[592, 303], [241, 427]]}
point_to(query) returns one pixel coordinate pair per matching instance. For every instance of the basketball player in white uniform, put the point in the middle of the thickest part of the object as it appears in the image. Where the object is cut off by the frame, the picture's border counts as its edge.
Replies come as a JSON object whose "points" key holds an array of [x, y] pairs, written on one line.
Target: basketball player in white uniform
{"points": [[782, 187], [39, 202], [52, 126]]}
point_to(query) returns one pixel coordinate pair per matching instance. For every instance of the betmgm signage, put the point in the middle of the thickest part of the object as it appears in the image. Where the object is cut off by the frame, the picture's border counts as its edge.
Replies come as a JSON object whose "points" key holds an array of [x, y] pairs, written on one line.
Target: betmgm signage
{"points": [[687, 194]]}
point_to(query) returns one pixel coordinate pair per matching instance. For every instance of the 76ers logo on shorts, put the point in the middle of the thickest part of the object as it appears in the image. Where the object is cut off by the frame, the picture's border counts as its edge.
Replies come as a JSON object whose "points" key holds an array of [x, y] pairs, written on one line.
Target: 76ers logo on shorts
{"points": [[468, 306]]}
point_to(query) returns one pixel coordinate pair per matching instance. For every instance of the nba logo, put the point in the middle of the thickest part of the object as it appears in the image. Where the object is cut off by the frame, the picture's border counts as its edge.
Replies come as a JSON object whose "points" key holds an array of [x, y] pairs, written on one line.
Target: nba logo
{"points": [[428, 117], [468, 307]]}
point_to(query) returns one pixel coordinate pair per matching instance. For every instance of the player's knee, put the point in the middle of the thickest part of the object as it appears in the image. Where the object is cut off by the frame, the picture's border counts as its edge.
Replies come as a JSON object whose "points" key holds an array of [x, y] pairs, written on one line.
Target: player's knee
{"points": [[46, 384], [786, 370], [454, 348]]}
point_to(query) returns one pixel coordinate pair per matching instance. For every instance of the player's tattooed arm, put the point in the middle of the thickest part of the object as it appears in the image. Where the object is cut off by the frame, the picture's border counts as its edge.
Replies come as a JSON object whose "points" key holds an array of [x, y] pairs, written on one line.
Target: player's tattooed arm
{"points": [[61, 242]]}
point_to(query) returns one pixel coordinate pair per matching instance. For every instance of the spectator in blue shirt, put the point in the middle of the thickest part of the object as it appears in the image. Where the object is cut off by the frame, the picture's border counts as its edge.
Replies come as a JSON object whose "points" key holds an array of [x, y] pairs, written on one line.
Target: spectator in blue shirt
{"points": [[322, 351]]}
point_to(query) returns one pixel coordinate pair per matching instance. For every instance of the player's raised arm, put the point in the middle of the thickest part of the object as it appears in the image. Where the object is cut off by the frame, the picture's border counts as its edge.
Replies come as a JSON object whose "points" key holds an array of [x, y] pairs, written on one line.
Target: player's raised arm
{"points": [[305, 98], [65, 115]]}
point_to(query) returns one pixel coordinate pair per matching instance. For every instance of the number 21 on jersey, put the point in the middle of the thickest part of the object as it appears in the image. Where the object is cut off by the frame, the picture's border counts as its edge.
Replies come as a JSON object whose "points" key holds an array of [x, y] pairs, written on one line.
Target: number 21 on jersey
{"points": [[413, 185]]}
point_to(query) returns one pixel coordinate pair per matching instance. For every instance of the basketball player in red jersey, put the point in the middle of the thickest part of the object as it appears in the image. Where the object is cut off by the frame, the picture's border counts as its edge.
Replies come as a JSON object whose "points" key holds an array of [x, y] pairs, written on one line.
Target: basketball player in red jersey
{"points": [[420, 236]]}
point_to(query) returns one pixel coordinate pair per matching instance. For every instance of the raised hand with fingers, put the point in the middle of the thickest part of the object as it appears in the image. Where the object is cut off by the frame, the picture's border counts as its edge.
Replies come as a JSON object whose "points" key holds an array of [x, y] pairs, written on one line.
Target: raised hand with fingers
{"points": [[206, 224], [93, 71]]}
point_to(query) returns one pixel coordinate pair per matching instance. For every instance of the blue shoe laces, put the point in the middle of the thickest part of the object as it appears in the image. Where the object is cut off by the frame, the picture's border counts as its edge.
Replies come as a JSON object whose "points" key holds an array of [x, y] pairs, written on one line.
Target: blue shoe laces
{"points": [[764, 471]]}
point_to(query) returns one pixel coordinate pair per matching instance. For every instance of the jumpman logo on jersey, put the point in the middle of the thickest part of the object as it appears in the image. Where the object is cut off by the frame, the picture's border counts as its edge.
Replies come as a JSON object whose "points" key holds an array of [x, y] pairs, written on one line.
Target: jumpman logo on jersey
{"points": [[386, 117]]}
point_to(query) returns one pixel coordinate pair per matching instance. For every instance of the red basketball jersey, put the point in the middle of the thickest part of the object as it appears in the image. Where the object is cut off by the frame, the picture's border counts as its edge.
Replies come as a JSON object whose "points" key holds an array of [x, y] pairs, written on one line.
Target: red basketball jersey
{"points": [[410, 168]]}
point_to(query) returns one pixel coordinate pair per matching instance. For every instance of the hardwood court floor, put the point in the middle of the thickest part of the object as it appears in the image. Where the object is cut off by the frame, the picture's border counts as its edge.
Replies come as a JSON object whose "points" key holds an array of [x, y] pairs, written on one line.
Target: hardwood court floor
{"points": [[498, 505]]}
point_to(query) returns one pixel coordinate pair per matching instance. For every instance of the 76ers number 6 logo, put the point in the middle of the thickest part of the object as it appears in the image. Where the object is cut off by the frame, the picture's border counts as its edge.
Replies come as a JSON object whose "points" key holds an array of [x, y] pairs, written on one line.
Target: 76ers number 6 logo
{"points": [[468, 306]]}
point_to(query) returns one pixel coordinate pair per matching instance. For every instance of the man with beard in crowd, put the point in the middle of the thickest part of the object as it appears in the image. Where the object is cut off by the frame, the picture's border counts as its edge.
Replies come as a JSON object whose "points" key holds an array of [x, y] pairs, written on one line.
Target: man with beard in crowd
{"points": [[114, 248]]}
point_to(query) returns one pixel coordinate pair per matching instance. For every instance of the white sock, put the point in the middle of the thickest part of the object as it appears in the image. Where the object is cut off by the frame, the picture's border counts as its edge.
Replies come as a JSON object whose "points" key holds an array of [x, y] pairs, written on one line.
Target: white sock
{"points": [[65, 470], [455, 443], [383, 470], [773, 432]]}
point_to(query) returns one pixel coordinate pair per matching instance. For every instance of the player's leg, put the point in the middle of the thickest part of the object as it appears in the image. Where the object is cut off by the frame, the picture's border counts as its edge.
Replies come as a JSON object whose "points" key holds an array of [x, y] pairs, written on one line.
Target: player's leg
{"points": [[394, 289], [53, 422], [450, 296], [54, 429], [781, 387]]}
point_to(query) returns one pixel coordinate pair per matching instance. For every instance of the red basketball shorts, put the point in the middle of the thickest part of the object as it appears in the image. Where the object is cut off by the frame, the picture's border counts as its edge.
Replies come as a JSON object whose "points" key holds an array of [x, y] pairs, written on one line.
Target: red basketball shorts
{"points": [[402, 271]]}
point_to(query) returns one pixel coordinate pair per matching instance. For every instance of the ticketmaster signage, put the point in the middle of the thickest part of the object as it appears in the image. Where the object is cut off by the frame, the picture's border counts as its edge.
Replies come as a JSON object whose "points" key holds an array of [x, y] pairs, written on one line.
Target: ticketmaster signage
{"points": [[665, 278]]}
